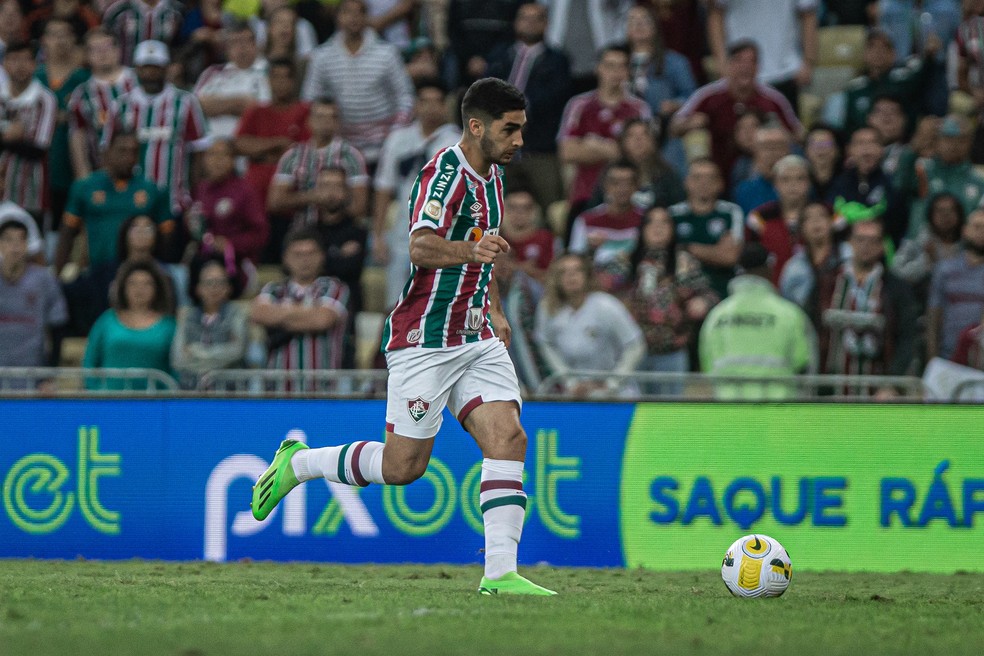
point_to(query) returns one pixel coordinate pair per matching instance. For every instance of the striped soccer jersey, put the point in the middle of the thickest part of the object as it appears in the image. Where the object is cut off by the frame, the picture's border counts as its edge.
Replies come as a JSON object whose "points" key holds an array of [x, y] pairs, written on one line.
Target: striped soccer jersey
{"points": [[168, 125], [133, 21], [447, 307], [306, 351], [25, 179], [300, 165], [89, 106]]}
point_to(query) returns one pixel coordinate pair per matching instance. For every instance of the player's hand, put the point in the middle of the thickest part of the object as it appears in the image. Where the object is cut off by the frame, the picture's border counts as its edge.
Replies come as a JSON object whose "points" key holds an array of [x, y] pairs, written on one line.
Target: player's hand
{"points": [[502, 328], [488, 247]]}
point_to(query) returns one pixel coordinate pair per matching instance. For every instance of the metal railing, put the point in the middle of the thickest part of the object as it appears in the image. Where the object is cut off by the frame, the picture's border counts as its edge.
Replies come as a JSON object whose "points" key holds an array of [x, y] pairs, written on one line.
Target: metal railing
{"points": [[336, 383], [601, 385], [72, 381]]}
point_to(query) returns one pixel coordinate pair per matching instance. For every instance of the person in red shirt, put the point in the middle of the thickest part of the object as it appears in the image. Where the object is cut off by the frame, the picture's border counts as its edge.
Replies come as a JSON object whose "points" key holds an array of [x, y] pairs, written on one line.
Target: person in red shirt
{"points": [[533, 247], [776, 224], [592, 122], [716, 107], [267, 130], [226, 216]]}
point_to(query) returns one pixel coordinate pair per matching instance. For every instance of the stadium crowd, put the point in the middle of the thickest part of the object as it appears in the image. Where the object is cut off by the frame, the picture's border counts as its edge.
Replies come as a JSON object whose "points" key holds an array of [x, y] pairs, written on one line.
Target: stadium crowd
{"points": [[747, 187]]}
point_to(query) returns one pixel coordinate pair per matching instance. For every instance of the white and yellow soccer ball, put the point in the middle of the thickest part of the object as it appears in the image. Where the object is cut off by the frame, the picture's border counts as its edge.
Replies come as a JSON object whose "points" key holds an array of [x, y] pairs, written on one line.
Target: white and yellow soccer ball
{"points": [[756, 566]]}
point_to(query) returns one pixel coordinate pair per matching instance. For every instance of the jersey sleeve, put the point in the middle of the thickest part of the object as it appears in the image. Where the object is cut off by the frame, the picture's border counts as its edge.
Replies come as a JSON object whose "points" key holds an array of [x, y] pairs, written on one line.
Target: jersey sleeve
{"points": [[286, 168], [334, 294], [436, 196]]}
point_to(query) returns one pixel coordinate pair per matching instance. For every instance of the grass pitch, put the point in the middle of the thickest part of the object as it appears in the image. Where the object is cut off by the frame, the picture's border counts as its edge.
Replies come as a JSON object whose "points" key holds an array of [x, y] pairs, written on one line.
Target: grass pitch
{"points": [[197, 609]]}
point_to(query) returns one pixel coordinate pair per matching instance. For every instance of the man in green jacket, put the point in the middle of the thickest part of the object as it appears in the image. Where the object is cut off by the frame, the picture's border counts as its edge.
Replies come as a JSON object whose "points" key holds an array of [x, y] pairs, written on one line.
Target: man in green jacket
{"points": [[755, 333]]}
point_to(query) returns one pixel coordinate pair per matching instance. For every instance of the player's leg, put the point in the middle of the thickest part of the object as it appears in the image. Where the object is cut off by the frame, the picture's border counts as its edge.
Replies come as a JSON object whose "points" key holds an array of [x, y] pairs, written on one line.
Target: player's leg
{"points": [[411, 423], [487, 402]]}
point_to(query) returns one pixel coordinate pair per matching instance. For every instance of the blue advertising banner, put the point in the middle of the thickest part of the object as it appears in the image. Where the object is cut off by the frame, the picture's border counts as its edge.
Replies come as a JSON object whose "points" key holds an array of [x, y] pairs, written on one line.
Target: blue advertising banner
{"points": [[171, 479]]}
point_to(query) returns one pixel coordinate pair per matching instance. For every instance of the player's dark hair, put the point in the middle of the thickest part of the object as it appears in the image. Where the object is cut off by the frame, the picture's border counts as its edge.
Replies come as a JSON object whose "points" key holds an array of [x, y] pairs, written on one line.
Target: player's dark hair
{"points": [[13, 224], [489, 98]]}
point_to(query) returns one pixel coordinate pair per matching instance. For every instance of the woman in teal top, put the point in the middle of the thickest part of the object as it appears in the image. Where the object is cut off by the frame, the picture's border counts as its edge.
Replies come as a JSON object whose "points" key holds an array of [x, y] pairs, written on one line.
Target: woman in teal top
{"points": [[137, 331]]}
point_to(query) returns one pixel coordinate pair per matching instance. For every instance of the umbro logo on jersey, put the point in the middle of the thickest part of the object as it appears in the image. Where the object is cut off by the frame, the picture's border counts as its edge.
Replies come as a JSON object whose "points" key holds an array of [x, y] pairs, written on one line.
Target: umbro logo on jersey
{"points": [[417, 408], [476, 206]]}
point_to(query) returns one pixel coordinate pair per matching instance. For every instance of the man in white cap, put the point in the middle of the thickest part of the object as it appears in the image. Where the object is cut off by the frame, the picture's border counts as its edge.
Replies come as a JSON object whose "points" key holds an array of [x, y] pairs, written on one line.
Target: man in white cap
{"points": [[168, 122]]}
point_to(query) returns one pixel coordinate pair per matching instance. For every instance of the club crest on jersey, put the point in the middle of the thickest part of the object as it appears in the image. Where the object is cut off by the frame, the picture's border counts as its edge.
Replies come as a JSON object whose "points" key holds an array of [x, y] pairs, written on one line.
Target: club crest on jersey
{"points": [[417, 408], [432, 208], [414, 336]]}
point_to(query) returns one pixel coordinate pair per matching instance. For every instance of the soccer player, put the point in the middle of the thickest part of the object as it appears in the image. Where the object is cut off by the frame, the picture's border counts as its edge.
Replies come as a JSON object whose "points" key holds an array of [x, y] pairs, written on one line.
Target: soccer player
{"points": [[445, 342]]}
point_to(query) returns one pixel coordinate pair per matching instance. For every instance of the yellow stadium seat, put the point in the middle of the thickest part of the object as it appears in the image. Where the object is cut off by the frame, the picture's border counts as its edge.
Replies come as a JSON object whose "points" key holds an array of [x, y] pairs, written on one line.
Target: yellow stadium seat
{"points": [[842, 45], [72, 351]]}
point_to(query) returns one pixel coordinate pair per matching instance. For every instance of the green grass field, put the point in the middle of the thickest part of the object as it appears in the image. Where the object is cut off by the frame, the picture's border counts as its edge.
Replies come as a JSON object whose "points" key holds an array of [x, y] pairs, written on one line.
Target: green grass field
{"points": [[139, 607]]}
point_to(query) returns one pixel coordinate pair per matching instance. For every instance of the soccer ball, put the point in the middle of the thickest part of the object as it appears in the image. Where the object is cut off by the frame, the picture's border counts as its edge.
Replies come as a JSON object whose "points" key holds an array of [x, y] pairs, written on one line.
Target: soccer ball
{"points": [[756, 566]]}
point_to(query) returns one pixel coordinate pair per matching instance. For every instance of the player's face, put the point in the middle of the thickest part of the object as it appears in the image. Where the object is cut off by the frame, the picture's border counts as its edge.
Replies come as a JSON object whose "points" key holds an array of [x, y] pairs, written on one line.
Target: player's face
{"points": [[503, 137], [13, 246]]}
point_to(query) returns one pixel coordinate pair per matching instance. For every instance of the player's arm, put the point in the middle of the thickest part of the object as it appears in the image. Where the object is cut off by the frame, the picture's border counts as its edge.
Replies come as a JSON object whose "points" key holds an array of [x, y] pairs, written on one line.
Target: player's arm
{"points": [[429, 251], [502, 328]]}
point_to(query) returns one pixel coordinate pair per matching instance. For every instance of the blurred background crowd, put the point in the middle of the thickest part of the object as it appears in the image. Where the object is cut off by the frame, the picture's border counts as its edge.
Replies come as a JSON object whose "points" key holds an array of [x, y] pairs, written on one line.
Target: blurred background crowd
{"points": [[744, 187]]}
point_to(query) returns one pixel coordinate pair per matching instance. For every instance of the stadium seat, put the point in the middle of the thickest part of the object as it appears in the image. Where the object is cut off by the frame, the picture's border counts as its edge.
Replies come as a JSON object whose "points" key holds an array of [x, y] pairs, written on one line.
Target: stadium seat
{"points": [[268, 273], [72, 351], [842, 45], [830, 79]]}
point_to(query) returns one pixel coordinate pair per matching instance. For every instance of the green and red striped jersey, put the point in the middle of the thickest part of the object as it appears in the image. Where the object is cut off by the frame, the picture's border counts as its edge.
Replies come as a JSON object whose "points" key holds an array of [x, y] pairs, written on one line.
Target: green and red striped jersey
{"points": [[447, 307], [168, 126], [300, 165], [133, 21], [89, 106], [25, 176]]}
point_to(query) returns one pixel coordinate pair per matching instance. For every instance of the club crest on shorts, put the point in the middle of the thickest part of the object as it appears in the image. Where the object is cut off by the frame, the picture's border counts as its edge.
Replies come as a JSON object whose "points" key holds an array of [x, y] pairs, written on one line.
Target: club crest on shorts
{"points": [[417, 408]]}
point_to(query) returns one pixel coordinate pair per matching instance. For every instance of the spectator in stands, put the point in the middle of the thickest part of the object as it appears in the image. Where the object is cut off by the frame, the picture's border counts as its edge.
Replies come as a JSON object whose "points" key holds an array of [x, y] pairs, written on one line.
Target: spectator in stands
{"points": [[13, 27], [658, 184], [35, 245], [31, 302], [135, 21], [343, 239], [785, 30], [849, 109], [591, 125], [578, 329], [29, 112], [771, 144], [305, 314], [582, 29], [658, 75], [213, 333], [366, 77], [226, 90], [776, 224], [888, 117], [138, 330], [391, 19], [266, 131], [755, 333], [59, 74], [543, 74], [406, 151], [476, 28], [949, 170], [868, 316], [710, 229], [937, 240], [817, 259], [292, 189], [745, 131], [166, 150], [824, 155], [422, 60], [863, 187], [956, 291], [80, 17], [100, 203], [283, 34], [669, 296], [716, 107], [970, 67], [140, 239], [608, 234], [201, 39], [533, 246], [90, 103]]}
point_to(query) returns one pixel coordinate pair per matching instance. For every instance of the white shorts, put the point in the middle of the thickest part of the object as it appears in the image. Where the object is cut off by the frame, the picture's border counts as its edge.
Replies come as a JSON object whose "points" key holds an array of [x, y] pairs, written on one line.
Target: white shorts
{"points": [[422, 381]]}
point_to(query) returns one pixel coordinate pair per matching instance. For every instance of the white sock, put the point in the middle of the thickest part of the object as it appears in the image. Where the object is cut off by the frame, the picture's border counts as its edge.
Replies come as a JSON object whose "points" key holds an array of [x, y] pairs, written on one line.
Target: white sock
{"points": [[362, 465], [503, 503]]}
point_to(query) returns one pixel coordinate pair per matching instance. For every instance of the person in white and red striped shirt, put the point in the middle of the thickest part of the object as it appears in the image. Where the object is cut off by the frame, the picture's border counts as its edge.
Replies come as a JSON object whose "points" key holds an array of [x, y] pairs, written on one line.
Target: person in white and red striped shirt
{"points": [[446, 343], [27, 123]]}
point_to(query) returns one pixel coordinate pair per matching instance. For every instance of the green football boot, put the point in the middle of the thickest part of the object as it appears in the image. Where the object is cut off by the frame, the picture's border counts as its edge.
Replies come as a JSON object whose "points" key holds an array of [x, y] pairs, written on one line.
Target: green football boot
{"points": [[276, 481], [512, 584]]}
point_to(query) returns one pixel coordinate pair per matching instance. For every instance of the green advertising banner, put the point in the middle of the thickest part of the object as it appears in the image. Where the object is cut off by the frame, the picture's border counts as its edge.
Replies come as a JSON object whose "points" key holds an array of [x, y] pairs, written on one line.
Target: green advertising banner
{"points": [[842, 487]]}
